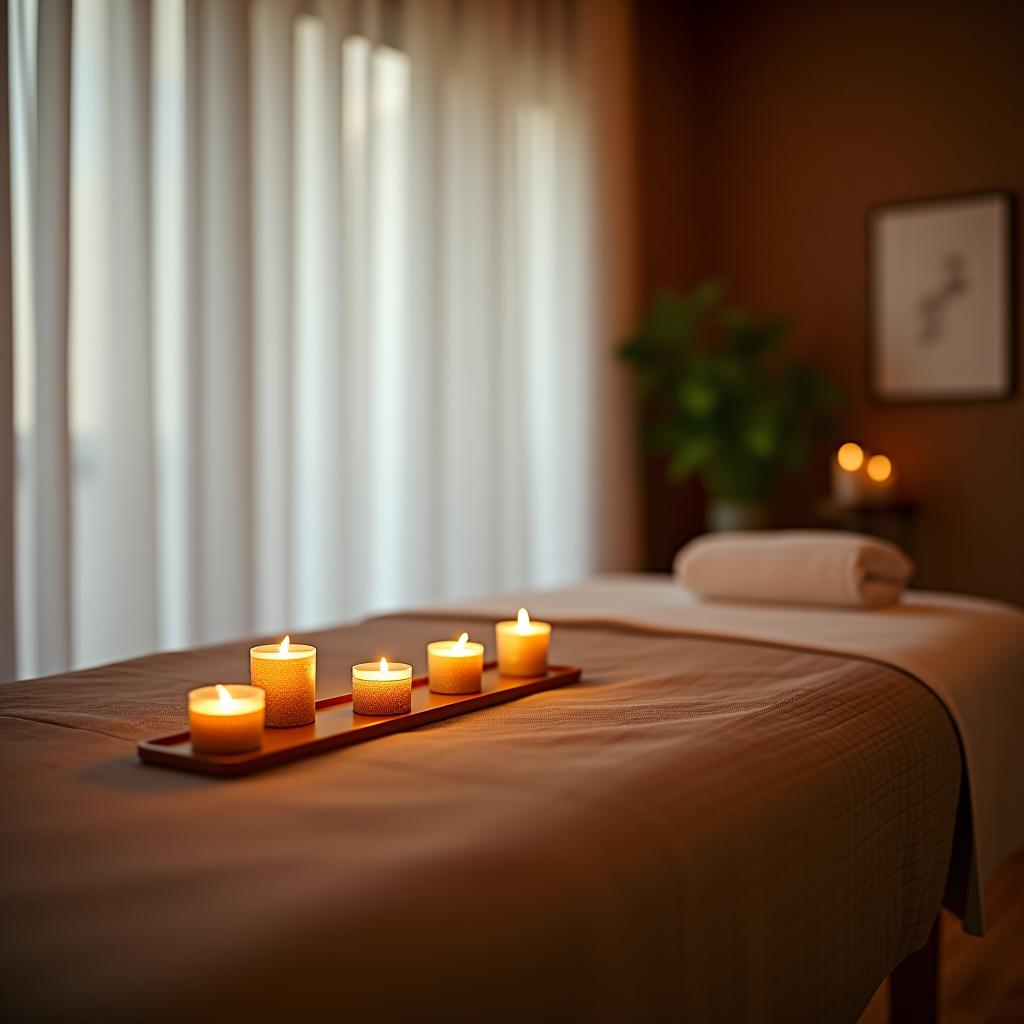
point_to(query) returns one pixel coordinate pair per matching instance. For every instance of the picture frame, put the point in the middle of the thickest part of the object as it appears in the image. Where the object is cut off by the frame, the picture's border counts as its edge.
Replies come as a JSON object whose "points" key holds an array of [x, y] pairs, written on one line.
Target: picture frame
{"points": [[941, 307]]}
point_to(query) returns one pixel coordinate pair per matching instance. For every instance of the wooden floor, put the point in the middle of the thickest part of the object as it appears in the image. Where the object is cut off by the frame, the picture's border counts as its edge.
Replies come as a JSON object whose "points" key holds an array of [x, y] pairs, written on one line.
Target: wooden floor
{"points": [[982, 980]]}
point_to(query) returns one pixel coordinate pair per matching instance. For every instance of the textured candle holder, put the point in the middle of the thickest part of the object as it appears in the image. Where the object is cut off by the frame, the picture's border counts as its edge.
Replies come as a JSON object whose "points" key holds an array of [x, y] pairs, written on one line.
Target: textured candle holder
{"points": [[377, 691], [453, 668], [289, 680]]}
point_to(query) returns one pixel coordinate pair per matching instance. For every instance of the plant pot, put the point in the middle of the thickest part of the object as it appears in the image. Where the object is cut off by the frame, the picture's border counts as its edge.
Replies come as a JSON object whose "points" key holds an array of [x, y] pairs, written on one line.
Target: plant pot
{"points": [[733, 514]]}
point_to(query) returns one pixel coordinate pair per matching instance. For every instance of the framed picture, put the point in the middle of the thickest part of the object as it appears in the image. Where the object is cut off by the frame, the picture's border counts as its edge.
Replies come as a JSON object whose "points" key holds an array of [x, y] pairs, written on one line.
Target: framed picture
{"points": [[941, 316]]}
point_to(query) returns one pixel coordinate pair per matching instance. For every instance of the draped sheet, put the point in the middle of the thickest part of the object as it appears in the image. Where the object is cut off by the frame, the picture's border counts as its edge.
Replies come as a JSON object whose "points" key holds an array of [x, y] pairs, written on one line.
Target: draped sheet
{"points": [[700, 829], [968, 650]]}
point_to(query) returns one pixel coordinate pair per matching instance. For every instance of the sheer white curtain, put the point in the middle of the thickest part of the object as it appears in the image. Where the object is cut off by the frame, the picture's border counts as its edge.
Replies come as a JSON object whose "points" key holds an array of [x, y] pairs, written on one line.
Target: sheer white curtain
{"points": [[314, 311]]}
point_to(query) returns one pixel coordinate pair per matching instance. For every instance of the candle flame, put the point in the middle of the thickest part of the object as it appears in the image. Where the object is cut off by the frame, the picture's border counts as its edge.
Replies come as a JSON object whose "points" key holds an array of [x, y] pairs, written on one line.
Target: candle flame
{"points": [[879, 468], [383, 664], [524, 621], [460, 644], [850, 457], [226, 700], [283, 647]]}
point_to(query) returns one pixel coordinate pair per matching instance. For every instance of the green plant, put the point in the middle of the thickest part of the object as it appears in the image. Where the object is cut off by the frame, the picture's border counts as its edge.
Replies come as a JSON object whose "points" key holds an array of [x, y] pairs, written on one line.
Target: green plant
{"points": [[720, 399]]}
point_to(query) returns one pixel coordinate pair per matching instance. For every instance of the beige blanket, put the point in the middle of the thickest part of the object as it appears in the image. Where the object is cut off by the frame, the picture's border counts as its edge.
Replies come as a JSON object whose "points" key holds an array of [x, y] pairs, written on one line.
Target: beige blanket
{"points": [[968, 650], [702, 829]]}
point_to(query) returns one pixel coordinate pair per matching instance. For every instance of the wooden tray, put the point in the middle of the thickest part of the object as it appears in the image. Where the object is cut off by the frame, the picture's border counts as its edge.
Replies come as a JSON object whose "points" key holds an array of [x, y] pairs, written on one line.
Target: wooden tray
{"points": [[336, 726]]}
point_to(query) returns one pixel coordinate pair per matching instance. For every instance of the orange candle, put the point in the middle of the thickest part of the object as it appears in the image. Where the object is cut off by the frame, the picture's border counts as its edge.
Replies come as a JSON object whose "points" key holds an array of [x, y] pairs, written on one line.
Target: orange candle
{"points": [[881, 474], [226, 719], [287, 673], [455, 666], [381, 689]]}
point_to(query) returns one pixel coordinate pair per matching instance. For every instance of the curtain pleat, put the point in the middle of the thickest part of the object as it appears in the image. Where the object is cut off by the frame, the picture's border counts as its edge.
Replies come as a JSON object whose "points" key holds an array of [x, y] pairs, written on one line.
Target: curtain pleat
{"points": [[319, 357], [225, 585], [467, 457], [50, 455], [425, 38], [114, 549], [191, 546], [575, 356], [8, 631], [508, 508], [175, 323], [603, 93], [346, 279], [277, 384], [333, 470], [390, 382], [353, 518]]}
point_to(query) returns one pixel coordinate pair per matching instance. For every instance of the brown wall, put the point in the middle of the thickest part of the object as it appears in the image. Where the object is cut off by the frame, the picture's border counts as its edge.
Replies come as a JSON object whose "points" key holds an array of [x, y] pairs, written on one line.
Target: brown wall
{"points": [[667, 223], [798, 116]]}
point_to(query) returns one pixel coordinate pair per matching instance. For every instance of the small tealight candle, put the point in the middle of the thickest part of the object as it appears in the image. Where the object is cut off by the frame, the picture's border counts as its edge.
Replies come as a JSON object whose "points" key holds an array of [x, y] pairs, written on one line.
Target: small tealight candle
{"points": [[455, 666], [848, 474], [287, 672], [381, 689], [522, 646], [881, 474], [226, 719]]}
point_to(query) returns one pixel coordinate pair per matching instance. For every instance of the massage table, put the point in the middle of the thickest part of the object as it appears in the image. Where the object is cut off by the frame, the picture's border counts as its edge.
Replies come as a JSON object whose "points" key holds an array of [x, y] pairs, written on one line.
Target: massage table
{"points": [[737, 814]]}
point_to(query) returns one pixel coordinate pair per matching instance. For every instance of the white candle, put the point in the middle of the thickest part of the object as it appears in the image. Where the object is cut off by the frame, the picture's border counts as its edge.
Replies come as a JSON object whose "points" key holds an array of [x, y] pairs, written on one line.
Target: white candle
{"points": [[848, 476], [455, 666], [522, 646], [226, 719], [287, 672], [381, 689]]}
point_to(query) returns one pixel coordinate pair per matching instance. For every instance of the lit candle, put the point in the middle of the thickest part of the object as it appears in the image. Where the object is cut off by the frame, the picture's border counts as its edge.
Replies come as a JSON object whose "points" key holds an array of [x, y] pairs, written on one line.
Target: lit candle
{"points": [[226, 719], [287, 672], [455, 666], [522, 646], [848, 474], [381, 689], [881, 476]]}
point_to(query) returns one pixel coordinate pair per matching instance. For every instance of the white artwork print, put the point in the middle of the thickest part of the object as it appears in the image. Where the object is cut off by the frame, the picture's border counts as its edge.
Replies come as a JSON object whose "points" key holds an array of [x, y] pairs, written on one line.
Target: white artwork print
{"points": [[940, 303]]}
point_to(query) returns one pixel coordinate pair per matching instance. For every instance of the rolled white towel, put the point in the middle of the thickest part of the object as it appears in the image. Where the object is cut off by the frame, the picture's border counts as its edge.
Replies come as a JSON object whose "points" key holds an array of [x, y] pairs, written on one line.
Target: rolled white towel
{"points": [[799, 566]]}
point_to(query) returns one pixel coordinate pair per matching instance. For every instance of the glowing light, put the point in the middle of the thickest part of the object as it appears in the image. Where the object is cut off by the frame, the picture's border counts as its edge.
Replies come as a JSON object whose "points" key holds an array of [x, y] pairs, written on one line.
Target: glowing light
{"points": [[383, 664], [226, 700], [460, 644], [851, 457], [523, 624], [879, 468], [283, 647]]}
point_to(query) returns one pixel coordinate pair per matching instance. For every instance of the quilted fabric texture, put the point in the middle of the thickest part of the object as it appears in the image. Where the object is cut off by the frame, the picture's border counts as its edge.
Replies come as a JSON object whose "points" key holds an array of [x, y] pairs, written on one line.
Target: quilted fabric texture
{"points": [[701, 829]]}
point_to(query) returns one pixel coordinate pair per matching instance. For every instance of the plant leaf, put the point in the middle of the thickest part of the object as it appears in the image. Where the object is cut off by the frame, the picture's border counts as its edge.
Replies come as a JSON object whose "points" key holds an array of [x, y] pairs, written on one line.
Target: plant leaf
{"points": [[689, 456]]}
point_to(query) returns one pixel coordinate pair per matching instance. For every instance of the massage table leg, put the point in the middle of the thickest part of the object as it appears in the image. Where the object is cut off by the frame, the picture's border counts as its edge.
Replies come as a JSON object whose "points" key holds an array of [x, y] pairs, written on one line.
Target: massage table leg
{"points": [[914, 984]]}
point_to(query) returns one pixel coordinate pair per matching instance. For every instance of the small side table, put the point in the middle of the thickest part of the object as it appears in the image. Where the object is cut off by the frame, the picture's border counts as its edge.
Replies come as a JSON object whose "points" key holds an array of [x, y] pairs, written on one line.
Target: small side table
{"points": [[895, 521]]}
